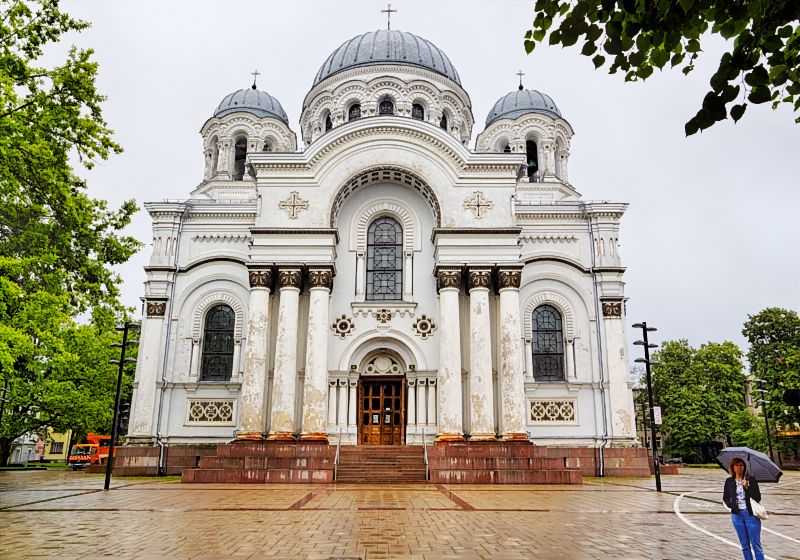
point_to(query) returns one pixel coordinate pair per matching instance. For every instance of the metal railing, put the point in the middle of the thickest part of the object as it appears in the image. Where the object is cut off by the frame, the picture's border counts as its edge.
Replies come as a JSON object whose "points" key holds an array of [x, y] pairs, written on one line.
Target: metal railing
{"points": [[336, 459], [425, 455]]}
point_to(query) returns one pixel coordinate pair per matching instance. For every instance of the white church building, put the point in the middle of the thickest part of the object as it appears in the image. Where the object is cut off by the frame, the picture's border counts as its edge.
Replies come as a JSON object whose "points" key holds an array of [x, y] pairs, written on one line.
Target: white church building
{"points": [[381, 280]]}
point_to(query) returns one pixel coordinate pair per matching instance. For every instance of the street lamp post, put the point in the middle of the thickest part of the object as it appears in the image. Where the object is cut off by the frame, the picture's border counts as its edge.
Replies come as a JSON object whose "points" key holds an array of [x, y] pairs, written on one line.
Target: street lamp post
{"points": [[764, 402], [123, 346], [647, 363]]}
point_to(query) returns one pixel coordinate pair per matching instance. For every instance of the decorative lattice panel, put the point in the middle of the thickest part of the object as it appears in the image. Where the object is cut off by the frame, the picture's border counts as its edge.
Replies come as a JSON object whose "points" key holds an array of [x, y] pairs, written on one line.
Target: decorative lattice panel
{"points": [[207, 411], [559, 412]]}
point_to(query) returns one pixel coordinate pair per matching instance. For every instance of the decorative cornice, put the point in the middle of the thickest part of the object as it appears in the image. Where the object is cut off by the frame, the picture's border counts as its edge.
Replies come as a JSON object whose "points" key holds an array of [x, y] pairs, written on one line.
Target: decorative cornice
{"points": [[296, 231]]}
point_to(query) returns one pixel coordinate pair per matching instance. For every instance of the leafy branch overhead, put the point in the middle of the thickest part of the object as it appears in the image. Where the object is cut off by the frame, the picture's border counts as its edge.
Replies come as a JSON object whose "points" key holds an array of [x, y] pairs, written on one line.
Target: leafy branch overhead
{"points": [[762, 63]]}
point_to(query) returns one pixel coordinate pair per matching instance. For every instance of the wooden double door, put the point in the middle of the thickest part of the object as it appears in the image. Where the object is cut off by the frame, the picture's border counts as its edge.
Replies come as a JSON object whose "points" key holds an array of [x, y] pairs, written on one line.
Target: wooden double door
{"points": [[381, 411]]}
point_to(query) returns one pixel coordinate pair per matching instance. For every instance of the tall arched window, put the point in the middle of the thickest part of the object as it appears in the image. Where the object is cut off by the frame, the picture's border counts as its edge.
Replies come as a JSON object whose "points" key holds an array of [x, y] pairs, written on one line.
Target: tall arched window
{"points": [[418, 112], [443, 123], [385, 260], [548, 344], [533, 160], [354, 112], [217, 363], [328, 122], [386, 107], [239, 155]]}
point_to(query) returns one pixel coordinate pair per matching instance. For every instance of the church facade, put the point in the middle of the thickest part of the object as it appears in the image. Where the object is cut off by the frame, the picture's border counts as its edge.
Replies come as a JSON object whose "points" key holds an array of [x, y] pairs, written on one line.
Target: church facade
{"points": [[387, 283]]}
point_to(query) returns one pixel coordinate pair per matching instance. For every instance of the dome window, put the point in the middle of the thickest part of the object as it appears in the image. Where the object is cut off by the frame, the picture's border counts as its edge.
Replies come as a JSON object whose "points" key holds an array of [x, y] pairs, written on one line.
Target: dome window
{"points": [[328, 122], [239, 155], [443, 123], [418, 112], [354, 112], [267, 147], [386, 107], [532, 160], [507, 149]]}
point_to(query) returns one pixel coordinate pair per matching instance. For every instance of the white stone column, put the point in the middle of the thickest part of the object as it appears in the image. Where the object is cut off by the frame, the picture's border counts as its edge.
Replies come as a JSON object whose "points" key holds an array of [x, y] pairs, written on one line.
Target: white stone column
{"points": [[431, 403], [512, 382], [481, 397], [284, 384], [412, 403], [450, 421], [254, 380], [569, 361], [529, 359], [422, 407], [361, 275], [194, 368], [332, 402], [315, 400], [151, 356], [619, 394], [408, 277], [223, 158], [351, 412], [341, 418]]}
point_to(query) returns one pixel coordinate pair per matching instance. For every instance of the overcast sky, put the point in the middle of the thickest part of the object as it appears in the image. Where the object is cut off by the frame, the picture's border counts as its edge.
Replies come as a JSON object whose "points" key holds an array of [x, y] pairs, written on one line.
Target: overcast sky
{"points": [[711, 234]]}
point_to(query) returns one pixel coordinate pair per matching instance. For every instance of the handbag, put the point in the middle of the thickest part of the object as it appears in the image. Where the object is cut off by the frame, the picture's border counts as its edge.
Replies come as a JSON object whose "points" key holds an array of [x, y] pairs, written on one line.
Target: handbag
{"points": [[758, 510]]}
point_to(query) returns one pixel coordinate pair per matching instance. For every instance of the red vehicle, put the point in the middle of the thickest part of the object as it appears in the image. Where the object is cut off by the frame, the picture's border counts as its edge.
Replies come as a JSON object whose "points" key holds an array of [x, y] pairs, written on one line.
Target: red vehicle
{"points": [[95, 452]]}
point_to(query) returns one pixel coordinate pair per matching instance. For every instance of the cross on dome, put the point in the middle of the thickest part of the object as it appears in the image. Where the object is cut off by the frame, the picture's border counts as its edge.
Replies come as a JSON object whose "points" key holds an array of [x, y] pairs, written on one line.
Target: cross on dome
{"points": [[255, 74], [520, 74], [388, 11]]}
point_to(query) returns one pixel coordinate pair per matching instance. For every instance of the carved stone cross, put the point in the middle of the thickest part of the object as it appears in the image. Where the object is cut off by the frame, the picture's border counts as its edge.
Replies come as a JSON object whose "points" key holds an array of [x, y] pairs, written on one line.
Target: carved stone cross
{"points": [[478, 204], [389, 11], [294, 204]]}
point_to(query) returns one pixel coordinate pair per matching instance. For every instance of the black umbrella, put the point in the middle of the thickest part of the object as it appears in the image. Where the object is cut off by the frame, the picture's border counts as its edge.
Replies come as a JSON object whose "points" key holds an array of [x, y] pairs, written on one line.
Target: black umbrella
{"points": [[759, 466]]}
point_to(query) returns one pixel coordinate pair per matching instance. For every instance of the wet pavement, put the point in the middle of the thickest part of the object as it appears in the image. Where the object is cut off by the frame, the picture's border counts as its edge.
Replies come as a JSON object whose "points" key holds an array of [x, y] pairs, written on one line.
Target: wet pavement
{"points": [[65, 515]]}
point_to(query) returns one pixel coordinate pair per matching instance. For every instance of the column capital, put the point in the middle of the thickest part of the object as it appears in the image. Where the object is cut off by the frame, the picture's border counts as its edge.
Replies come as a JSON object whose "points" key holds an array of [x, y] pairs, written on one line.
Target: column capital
{"points": [[320, 277], [448, 277], [509, 277], [260, 277], [155, 306], [479, 277], [289, 277], [613, 307]]}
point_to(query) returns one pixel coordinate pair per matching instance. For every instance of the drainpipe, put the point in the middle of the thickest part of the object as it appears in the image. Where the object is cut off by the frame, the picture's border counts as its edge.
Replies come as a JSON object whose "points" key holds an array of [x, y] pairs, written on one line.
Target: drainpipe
{"points": [[598, 330], [168, 315]]}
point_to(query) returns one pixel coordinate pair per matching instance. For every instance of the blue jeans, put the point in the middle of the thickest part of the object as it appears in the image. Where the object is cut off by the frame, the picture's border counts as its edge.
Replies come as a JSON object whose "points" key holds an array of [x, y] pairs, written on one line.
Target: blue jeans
{"points": [[748, 529]]}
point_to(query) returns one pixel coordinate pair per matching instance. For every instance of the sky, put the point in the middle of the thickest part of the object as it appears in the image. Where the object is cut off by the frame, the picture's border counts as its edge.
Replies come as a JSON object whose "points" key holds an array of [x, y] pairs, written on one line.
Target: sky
{"points": [[711, 234]]}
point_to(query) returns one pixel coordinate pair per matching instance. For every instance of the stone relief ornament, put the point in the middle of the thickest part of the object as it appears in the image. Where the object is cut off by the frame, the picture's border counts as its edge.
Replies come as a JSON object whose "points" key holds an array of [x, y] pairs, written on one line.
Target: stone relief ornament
{"points": [[343, 326], [424, 327], [293, 205], [479, 278], [552, 411], [289, 278], [448, 279], [383, 316], [383, 365], [156, 308], [509, 278], [479, 205], [260, 278], [210, 412], [320, 278], [612, 309]]}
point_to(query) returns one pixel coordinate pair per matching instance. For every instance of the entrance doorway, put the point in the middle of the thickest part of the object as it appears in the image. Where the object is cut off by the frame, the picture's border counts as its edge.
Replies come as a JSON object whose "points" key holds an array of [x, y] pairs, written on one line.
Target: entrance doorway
{"points": [[381, 411]]}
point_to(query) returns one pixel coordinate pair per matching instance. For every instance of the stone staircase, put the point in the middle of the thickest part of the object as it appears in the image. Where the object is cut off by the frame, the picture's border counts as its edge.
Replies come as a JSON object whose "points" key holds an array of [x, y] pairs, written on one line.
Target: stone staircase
{"points": [[381, 464]]}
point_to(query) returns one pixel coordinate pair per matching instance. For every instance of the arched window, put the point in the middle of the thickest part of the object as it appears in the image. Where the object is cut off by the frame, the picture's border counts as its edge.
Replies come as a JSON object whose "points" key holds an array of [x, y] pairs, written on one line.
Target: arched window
{"points": [[239, 155], [507, 149], [386, 107], [533, 160], [267, 147], [443, 123], [218, 344], [354, 112], [548, 344], [328, 122], [418, 112], [385, 260]]}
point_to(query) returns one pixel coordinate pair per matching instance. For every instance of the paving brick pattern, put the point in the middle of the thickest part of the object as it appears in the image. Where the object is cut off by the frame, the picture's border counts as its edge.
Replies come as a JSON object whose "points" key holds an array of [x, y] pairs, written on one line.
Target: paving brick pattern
{"points": [[67, 515]]}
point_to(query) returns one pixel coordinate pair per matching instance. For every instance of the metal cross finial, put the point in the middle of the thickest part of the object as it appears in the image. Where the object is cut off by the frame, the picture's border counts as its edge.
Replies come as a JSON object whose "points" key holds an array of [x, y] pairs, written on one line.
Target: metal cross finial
{"points": [[520, 74], [255, 74], [388, 11]]}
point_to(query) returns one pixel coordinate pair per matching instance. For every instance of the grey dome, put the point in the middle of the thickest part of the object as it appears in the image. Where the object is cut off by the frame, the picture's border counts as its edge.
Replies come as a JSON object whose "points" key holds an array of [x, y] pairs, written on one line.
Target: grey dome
{"points": [[387, 46], [521, 102], [256, 102]]}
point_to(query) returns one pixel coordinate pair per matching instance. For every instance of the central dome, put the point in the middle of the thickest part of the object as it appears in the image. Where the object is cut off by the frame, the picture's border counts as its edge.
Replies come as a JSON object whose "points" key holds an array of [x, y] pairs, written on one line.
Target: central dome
{"points": [[387, 46]]}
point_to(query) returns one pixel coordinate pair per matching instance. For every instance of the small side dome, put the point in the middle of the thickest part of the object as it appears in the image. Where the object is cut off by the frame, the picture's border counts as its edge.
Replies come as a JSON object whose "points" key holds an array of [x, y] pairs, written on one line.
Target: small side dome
{"points": [[254, 101], [521, 102]]}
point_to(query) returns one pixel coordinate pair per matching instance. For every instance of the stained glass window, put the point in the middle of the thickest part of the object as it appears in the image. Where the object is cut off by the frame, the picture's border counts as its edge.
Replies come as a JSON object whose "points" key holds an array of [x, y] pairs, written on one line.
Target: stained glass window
{"points": [[218, 344], [548, 344], [385, 260]]}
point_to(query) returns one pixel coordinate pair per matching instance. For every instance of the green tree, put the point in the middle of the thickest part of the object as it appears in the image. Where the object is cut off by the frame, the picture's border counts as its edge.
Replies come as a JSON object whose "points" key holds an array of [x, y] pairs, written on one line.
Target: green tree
{"points": [[56, 242], [749, 430], [774, 356], [699, 390], [762, 63]]}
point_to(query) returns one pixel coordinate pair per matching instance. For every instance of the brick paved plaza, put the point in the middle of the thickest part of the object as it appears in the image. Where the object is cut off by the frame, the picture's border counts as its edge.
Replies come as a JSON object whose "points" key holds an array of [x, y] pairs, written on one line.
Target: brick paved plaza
{"points": [[67, 515]]}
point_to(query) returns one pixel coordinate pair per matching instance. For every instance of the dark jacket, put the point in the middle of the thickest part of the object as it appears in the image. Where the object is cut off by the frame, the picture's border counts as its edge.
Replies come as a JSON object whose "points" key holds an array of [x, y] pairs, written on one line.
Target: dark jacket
{"points": [[750, 493]]}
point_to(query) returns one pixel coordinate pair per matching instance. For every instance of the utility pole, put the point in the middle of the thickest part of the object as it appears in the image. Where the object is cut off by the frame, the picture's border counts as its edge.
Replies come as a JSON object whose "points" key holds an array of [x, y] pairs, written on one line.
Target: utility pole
{"points": [[647, 363], [123, 346], [763, 400]]}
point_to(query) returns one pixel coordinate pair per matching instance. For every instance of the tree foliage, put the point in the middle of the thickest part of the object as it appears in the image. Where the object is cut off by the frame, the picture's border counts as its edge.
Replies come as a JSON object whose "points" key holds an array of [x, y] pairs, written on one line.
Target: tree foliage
{"points": [[699, 390], [774, 356], [762, 63], [56, 242]]}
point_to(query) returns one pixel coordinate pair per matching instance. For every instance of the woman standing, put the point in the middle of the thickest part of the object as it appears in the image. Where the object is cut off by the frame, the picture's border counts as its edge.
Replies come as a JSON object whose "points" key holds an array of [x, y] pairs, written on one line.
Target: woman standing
{"points": [[739, 490]]}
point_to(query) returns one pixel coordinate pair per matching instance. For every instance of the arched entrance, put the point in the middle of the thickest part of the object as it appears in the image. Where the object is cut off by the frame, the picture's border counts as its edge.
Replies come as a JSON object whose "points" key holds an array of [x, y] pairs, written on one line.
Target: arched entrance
{"points": [[381, 417]]}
